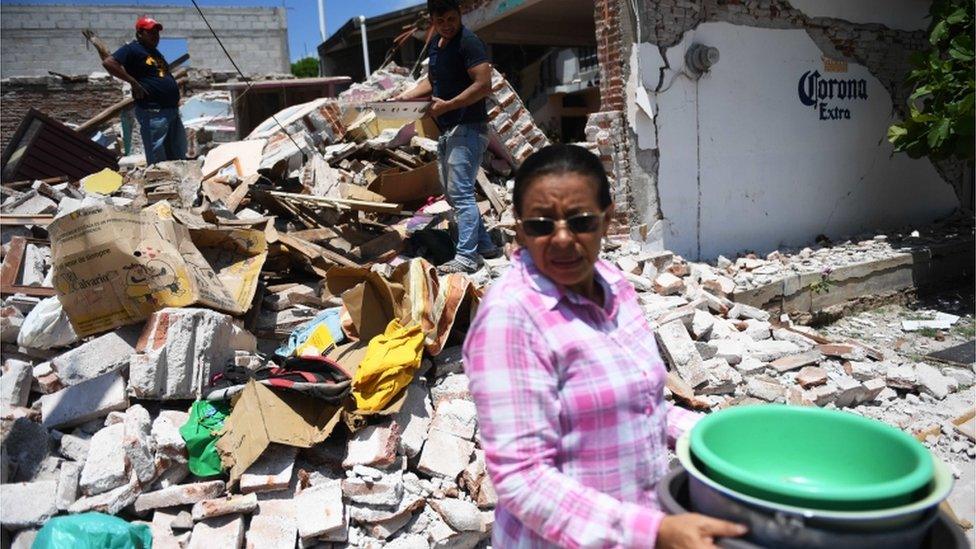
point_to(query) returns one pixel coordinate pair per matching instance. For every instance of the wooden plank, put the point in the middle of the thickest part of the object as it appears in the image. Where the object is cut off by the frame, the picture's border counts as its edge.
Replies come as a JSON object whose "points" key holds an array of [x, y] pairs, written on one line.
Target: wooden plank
{"points": [[43, 219], [487, 188], [312, 251], [315, 234], [381, 207]]}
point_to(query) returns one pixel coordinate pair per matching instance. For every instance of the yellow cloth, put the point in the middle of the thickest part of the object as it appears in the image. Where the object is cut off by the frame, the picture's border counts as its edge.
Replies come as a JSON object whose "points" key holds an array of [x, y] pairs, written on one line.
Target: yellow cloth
{"points": [[391, 360], [104, 182]]}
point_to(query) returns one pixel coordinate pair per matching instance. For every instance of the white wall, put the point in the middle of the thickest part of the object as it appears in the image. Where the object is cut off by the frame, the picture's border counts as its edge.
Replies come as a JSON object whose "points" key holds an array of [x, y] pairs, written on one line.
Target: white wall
{"points": [[745, 165]]}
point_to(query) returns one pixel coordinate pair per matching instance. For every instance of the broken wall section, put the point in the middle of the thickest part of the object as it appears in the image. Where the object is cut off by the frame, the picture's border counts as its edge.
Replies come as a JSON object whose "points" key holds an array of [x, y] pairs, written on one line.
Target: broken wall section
{"points": [[72, 102], [746, 157]]}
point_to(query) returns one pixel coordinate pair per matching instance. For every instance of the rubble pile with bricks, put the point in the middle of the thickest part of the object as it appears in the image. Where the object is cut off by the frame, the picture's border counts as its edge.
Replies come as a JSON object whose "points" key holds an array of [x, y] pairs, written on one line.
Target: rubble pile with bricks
{"points": [[94, 423], [91, 415]]}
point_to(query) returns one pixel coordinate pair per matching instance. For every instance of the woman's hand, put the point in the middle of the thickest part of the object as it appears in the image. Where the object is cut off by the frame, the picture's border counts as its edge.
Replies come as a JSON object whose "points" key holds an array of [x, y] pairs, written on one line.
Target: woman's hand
{"points": [[694, 531]]}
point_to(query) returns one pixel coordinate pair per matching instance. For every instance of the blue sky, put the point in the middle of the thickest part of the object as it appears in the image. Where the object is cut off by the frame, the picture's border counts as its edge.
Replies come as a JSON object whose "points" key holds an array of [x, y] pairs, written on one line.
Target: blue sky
{"points": [[303, 19]]}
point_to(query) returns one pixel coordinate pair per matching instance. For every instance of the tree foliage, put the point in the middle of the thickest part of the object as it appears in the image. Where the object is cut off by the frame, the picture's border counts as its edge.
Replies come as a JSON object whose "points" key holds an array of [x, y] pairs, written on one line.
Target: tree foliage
{"points": [[941, 106], [305, 67]]}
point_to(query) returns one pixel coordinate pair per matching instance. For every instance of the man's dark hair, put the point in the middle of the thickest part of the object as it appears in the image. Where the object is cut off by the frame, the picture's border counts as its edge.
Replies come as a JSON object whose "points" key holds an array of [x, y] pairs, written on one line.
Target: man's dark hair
{"points": [[560, 159], [440, 7]]}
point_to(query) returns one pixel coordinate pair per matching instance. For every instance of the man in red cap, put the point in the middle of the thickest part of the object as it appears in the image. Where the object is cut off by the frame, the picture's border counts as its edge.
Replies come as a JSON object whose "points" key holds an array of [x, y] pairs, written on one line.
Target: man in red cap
{"points": [[155, 90]]}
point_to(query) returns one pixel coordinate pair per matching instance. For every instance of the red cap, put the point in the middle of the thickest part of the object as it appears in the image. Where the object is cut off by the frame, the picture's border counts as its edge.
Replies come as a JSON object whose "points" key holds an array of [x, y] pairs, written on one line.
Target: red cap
{"points": [[147, 23]]}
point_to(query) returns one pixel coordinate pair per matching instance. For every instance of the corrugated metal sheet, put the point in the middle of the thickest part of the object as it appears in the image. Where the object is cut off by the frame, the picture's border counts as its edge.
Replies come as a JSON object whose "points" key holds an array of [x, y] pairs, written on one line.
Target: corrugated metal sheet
{"points": [[42, 147]]}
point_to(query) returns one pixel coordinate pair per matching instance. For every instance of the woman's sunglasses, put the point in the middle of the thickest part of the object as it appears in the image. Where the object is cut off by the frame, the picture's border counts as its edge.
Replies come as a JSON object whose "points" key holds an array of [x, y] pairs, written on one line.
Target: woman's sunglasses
{"points": [[545, 226]]}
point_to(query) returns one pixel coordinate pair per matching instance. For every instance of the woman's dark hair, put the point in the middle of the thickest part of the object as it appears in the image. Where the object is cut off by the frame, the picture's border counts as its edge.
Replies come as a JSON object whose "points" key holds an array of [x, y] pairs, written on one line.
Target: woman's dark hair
{"points": [[559, 159], [440, 7]]}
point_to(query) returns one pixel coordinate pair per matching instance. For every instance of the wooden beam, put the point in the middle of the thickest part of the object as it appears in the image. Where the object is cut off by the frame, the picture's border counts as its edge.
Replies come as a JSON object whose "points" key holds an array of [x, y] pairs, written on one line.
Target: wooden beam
{"points": [[12, 219], [488, 188], [381, 207]]}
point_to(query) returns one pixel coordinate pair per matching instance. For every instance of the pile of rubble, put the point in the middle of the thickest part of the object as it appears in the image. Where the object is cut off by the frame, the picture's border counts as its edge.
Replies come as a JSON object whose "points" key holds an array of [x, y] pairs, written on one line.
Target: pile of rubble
{"points": [[149, 308], [726, 353], [751, 271], [193, 346]]}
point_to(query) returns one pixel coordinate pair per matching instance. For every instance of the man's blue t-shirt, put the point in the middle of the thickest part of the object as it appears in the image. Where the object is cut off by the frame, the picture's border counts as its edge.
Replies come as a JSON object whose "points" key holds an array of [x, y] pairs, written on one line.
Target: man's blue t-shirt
{"points": [[448, 70], [151, 70]]}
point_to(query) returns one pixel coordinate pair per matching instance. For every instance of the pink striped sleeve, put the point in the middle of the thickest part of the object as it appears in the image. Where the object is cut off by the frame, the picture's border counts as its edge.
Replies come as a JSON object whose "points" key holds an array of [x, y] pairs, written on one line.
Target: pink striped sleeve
{"points": [[680, 421]]}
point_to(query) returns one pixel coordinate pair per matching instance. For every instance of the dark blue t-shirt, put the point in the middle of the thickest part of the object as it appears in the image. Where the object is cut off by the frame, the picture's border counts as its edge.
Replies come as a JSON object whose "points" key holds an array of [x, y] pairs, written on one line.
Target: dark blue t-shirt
{"points": [[448, 70], [151, 70]]}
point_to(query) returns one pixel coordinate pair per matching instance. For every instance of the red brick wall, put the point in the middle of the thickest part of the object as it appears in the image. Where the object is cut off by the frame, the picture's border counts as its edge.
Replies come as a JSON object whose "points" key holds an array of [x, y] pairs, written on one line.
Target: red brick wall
{"points": [[610, 52], [608, 128], [71, 103]]}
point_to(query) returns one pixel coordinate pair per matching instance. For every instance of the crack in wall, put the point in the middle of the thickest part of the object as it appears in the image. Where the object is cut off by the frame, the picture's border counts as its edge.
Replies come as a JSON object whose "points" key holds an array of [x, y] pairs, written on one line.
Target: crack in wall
{"points": [[883, 51]]}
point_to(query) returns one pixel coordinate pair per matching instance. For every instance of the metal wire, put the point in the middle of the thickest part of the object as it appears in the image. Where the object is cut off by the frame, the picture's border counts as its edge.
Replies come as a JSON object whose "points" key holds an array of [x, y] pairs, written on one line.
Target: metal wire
{"points": [[241, 74]]}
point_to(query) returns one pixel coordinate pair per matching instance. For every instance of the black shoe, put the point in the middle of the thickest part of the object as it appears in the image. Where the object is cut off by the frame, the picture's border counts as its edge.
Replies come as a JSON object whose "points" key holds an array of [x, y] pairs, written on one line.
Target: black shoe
{"points": [[493, 253]]}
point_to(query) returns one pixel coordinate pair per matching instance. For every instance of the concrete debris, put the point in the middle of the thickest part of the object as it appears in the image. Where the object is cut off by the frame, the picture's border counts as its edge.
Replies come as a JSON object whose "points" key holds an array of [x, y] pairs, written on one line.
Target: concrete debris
{"points": [[460, 515], [36, 502], [320, 510], [788, 363], [218, 532], [104, 354], [174, 338], [272, 472], [932, 381], [414, 418], [111, 502], [811, 376], [70, 474], [183, 494], [413, 475], [75, 447], [219, 507], [445, 455], [87, 400], [680, 351], [765, 388], [267, 531], [15, 383], [107, 466], [457, 417], [375, 445], [939, 321]]}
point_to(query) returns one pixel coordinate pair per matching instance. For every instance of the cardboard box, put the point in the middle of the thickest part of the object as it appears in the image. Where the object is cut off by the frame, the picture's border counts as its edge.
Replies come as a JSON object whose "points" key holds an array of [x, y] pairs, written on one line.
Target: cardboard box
{"points": [[406, 187], [114, 267]]}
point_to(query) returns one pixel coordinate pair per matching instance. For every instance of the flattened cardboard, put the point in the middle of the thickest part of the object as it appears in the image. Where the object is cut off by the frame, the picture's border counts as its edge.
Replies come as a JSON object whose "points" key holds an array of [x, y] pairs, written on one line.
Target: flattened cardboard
{"points": [[409, 186], [262, 416], [236, 255], [400, 110], [371, 300], [114, 267]]}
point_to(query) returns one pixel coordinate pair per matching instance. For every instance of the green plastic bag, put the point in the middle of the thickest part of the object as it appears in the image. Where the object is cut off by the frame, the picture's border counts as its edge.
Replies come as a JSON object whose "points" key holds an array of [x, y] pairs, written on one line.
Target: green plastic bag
{"points": [[92, 531], [200, 434]]}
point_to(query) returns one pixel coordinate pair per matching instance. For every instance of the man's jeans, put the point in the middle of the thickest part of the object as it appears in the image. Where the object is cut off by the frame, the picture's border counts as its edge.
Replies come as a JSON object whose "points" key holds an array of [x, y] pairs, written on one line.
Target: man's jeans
{"points": [[460, 150], [162, 134]]}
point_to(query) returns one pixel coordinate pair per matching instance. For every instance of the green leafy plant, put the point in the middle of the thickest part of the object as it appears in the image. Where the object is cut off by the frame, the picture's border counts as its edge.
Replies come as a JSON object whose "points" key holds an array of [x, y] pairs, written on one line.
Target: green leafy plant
{"points": [[305, 67], [823, 285], [941, 108]]}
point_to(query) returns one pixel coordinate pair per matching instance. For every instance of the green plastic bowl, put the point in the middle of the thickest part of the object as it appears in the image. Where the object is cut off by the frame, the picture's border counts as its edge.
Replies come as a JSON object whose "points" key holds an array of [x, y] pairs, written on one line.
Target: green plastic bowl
{"points": [[893, 517], [811, 457]]}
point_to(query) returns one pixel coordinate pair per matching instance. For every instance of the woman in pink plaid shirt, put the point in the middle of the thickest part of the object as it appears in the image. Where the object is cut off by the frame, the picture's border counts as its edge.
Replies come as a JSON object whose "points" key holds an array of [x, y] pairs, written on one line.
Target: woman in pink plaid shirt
{"points": [[568, 380]]}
